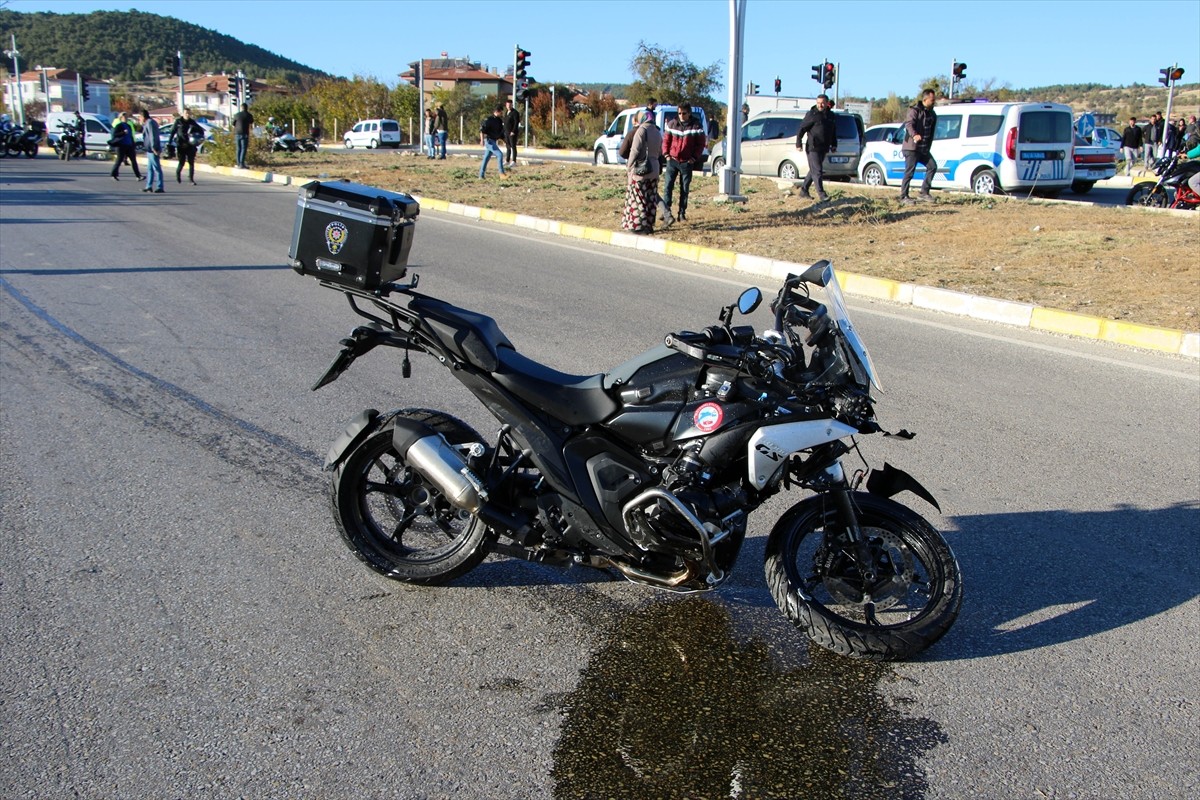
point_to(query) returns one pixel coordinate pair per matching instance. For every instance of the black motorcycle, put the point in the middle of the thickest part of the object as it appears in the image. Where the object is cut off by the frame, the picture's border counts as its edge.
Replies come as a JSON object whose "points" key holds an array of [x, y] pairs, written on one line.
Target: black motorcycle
{"points": [[650, 470], [1171, 189], [69, 143]]}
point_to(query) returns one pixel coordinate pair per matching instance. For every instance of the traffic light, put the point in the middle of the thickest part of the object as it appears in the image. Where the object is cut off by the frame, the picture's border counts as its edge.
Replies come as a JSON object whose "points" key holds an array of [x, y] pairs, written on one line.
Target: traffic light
{"points": [[752, 88], [778, 85], [246, 92], [87, 93], [960, 71], [828, 76], [178, 65], [818, 70], [522, 64], [523, 91], [1170, 74]]}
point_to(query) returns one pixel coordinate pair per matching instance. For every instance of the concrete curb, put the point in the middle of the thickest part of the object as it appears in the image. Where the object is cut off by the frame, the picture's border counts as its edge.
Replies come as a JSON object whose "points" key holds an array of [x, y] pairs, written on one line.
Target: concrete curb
{"points": [[1003, 312]]}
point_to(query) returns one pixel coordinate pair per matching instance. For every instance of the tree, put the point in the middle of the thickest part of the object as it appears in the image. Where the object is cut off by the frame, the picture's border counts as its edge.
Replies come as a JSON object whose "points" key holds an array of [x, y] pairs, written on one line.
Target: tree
{"points": [[668, 76]]}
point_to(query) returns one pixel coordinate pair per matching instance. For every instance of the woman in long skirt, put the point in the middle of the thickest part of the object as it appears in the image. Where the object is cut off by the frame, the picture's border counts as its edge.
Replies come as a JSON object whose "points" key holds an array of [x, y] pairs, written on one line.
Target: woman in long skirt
{"points": [[641, 190]]}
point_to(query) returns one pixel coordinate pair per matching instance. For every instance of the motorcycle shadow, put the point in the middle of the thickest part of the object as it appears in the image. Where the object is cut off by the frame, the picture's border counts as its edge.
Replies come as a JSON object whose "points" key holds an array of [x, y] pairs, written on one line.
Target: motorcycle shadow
{"points": [[1040, 579]]}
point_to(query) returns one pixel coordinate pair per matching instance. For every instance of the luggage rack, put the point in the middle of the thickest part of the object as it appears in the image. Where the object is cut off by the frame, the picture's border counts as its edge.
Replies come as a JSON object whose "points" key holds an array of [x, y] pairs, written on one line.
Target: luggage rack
{"points": [[378, 298]]}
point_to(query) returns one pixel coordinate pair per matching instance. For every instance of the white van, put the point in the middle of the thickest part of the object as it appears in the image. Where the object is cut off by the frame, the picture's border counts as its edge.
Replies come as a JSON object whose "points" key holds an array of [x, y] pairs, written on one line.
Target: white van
{"points": [[98, 127], [606, 147], [372, 133], [987, 148]]}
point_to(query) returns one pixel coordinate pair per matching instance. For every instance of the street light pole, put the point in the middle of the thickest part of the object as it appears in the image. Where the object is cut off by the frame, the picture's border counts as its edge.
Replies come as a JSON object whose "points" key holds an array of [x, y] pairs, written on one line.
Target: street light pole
{"points": [[14, 54], [729, 186]]}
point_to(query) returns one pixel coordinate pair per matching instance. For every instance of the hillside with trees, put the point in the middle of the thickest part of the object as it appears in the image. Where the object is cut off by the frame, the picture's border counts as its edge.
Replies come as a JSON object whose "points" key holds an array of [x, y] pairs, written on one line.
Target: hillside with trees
{"points": [[131, 46]]}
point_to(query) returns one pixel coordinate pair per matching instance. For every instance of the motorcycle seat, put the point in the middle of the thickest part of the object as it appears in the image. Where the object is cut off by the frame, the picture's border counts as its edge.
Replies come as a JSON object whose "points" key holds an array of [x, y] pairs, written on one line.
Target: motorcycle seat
{"points": [[574, 399]]}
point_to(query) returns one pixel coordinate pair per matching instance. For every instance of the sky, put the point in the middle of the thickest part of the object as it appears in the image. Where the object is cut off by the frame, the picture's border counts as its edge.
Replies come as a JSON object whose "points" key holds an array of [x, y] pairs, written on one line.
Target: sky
{"points": [[881, 46]]}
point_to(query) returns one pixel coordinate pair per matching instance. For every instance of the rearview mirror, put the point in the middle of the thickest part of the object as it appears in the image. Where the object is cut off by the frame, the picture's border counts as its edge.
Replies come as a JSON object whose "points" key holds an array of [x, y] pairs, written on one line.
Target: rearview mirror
{"points": [[749, 300]]}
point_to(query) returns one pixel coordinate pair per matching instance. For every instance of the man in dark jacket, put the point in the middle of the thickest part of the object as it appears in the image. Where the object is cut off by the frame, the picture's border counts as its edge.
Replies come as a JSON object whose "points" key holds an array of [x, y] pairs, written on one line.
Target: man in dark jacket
{"points": [[1131, 144], [683, 150], [122, 139], [243, 125], [918, 139], [490, 131], [512, 125], [821, 129]]}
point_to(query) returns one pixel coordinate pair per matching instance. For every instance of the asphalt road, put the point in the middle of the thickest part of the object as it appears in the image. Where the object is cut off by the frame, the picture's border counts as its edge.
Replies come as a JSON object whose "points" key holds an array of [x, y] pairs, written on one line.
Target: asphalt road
{"points": [[182, 620]]}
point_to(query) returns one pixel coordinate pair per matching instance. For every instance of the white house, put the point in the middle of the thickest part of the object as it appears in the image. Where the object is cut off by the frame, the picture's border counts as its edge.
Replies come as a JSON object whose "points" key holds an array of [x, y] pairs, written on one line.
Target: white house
{"points": [[60, 87]]}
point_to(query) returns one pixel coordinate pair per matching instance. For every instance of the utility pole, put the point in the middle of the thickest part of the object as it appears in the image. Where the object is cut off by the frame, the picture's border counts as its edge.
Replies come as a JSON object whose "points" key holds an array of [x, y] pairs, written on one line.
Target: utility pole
{"points": [[729, 188], [179, 69], [15, 54]]}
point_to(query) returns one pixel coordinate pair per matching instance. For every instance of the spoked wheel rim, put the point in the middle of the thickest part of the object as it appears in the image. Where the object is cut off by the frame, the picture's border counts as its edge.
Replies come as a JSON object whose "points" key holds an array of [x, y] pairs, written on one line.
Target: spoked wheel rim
{"points": [[905, 588], [404, 515]]}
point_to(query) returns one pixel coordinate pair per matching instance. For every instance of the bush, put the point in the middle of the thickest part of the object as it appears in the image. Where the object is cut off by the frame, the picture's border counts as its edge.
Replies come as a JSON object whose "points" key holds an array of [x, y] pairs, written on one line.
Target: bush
{"points": [[222, 151]]}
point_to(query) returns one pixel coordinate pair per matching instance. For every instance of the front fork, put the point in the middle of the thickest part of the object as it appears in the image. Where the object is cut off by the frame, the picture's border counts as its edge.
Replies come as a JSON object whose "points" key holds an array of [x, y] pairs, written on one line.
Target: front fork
{"points": [[839, 490]]}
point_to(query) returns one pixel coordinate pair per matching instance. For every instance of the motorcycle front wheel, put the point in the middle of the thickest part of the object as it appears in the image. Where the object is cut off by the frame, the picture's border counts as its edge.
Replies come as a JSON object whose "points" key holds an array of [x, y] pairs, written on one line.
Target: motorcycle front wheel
{"points": [[394, 520], [1147, 194], [813, 572]]}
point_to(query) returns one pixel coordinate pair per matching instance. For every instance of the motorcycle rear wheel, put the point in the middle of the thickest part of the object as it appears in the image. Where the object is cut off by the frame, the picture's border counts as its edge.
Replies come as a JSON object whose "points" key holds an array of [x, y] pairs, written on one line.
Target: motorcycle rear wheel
{"points": [[814, 579], [395, 521], [1147, 194]]}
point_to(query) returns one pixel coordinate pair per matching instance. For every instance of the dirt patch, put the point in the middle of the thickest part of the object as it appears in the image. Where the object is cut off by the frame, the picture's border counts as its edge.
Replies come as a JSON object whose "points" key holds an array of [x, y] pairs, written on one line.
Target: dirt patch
{"points": [[1118, 263]]}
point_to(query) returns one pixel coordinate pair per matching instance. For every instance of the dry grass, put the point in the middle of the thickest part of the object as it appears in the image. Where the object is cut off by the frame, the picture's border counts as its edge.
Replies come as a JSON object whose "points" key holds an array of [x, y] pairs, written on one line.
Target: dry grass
{"points": [[1117, 263]]}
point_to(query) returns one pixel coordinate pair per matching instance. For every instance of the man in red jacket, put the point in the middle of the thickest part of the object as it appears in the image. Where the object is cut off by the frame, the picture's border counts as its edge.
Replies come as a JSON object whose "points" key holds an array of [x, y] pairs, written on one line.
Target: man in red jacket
{"points": [[683, 149]]}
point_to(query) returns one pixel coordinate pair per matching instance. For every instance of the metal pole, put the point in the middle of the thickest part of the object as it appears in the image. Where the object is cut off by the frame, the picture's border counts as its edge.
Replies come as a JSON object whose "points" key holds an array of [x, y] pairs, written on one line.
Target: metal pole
{"points": [[729, 176], [553, 119], [421, 104], [182, 104], [14, 54], [837, 85], [953, 61], [1170, 97]]}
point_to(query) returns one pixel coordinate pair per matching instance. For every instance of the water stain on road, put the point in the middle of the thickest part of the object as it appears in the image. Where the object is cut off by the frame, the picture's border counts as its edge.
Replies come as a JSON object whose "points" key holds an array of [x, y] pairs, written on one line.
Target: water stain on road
{"points": [[693, 699]]}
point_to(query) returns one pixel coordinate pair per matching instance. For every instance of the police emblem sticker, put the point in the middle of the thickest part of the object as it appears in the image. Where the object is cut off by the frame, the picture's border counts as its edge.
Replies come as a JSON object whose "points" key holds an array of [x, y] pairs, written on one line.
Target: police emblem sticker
{"points": [[708, 417], [336, 234]]}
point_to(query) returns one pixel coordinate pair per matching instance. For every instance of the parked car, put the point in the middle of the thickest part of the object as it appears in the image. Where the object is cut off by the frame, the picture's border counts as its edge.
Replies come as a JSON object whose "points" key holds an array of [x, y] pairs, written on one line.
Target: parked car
{"points": [[769, 146], [372, 133], [877, 133], [1093, 163], [605, 150], [987, 148]]}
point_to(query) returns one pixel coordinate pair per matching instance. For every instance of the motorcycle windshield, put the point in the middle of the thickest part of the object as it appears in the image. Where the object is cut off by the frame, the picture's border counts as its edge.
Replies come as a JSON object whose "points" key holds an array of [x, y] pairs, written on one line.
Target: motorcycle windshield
{"points": [[838, 313]]}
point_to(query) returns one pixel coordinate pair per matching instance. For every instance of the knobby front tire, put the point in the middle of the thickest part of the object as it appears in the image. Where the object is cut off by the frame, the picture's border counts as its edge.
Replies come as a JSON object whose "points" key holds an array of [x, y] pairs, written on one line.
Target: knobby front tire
{"points": [[813, 577]]}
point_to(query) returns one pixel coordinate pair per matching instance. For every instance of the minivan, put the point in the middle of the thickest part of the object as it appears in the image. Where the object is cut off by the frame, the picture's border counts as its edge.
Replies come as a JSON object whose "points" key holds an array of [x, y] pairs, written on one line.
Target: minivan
{"points": [[987, 148], [372, 133], [98, 129], [605, 150], [769, 146]]}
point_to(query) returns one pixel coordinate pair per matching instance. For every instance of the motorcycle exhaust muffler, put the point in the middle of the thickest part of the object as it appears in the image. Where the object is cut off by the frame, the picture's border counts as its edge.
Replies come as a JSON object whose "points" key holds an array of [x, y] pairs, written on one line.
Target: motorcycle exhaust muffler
{"points": [[426, 451]]}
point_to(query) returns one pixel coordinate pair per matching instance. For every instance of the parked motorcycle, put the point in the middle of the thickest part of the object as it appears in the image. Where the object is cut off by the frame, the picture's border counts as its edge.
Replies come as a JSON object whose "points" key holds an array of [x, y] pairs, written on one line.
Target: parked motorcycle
{"points": [[25, 140], [308, 145], [650, 469], [1171, 189], [69, 143]]}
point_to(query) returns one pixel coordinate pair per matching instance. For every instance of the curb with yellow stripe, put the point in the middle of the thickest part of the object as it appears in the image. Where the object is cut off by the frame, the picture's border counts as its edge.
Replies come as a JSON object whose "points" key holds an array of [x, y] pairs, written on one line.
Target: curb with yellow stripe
{"points": [[1005, 312]]}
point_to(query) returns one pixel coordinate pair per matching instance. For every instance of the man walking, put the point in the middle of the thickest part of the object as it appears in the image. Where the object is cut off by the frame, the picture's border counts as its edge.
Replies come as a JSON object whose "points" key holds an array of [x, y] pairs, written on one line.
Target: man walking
{"points": [[153, 145], [122, 139], [1131, 144], [1154, 139], [918, 139], [490, 131], [512, 124], [243, 124], [821, 130], [683, 149]]}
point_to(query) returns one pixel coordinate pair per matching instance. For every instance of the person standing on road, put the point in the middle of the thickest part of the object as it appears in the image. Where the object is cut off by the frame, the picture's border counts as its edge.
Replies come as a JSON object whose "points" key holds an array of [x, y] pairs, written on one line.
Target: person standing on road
{"points": [[683, 149], [122, 139], [1131, 144], [642, 168], [1191, 129], [1154, 138], [512, 125], [152, 143], [81, 132], [821, 130], [186, 133], [490, 132], [243, 124], [441, 130], [918, 141]]}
